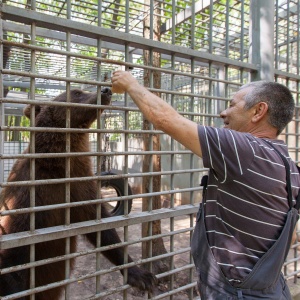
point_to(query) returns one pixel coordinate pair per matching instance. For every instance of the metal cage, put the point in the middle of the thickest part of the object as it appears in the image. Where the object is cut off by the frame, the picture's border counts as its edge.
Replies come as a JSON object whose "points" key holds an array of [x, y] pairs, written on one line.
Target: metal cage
{"points": [[195, 55]]}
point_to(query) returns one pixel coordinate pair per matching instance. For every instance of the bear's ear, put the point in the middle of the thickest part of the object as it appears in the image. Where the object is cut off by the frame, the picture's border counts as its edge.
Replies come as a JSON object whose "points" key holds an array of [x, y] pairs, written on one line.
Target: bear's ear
{"points": [[26, 110]]}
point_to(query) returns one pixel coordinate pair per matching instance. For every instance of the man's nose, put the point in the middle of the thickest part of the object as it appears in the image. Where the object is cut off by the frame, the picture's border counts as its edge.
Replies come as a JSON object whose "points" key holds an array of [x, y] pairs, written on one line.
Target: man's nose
{"points": [[223, 114]]}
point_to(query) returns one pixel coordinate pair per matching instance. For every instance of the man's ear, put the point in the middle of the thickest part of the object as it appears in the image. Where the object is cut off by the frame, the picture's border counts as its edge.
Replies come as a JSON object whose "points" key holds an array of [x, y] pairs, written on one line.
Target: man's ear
{"points": [[260, 111], [26, 110]]}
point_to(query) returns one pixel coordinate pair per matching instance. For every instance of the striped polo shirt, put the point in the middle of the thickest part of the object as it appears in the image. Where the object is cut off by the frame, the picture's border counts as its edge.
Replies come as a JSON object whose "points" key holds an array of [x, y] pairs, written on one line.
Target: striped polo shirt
{"points": [[246, 199]]}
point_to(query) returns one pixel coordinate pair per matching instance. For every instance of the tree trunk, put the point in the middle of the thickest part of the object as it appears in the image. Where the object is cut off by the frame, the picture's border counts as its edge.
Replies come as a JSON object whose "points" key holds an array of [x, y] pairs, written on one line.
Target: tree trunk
{"points": [[154, 165]]}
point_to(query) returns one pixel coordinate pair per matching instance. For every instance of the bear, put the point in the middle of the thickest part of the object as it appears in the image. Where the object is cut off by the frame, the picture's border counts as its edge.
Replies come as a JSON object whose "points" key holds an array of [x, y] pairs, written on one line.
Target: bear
{"points": [[17, 197]]}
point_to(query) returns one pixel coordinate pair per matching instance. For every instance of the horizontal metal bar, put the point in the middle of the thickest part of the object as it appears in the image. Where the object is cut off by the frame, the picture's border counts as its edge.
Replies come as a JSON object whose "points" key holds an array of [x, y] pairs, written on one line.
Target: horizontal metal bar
{"points": [[176, 290], [90, 178], [111, 107], [118, 37], [291, 134], [292, 260], [178, 269], [54, 103], [74, 130], [94, 251], [77, 154], [58, 78], [58, 232], [287, 75], [95, 201], [292, 274]]}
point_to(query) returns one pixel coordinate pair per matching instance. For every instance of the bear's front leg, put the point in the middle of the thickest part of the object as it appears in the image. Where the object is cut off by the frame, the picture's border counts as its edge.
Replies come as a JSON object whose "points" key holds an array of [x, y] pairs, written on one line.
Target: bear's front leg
{"points": [[137, 277], [141, 279]]}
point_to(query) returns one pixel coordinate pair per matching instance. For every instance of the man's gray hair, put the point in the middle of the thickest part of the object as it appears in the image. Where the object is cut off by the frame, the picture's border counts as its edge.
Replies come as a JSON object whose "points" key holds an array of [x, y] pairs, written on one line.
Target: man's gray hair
{"points": [[278, 97]]}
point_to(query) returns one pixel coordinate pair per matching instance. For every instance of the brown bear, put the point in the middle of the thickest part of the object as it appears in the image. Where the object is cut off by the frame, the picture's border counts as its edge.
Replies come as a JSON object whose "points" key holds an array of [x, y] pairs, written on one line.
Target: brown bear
{"points": [[16, 197]]}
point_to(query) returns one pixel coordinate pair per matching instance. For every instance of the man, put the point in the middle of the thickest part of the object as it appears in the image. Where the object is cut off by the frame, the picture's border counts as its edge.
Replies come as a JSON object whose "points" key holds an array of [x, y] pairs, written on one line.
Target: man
{"points": [[245, 224]]}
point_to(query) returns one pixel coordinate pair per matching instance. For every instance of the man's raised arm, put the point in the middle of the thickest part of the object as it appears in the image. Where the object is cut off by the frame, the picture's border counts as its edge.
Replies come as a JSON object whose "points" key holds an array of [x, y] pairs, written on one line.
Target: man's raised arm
{"points": [[162, 115]]}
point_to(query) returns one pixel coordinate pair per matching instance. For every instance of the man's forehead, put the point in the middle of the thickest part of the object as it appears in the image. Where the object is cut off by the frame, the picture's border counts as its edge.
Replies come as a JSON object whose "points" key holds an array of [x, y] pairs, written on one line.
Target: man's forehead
{"points": [[241, 93], [239, 96]]}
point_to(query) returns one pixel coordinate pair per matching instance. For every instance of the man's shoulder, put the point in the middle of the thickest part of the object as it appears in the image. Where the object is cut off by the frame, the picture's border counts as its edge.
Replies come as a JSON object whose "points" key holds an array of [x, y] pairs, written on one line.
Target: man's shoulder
{"points": [[224, 133]]}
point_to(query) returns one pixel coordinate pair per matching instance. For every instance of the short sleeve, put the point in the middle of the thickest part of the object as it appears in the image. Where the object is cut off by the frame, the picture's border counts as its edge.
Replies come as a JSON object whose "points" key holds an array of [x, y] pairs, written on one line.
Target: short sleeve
{"points": [[227, 152]]}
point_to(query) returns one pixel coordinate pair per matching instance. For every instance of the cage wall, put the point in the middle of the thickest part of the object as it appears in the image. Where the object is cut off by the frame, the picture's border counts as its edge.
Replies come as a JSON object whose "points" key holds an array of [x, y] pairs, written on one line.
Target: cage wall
{"points": [[193, 54]]}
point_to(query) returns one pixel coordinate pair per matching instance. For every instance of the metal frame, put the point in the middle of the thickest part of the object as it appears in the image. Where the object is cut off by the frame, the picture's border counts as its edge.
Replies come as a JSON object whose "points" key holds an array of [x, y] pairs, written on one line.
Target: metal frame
{"points": [[198, 78]]}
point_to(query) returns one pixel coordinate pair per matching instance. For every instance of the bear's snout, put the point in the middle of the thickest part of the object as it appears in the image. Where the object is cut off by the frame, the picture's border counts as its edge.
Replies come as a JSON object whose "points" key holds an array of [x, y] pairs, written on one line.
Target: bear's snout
{"points": [[106, 96], [106, 91]]}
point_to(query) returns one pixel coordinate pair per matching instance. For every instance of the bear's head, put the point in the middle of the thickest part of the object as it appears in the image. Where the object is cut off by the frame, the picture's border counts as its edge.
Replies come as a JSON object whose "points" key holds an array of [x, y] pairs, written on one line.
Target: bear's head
{"points": [[80, 116]]}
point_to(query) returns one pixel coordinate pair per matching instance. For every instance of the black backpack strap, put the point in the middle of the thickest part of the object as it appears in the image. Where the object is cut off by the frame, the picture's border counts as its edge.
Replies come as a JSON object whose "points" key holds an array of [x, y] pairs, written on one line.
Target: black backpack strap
{"points": [[204, 182], [288, 175]]}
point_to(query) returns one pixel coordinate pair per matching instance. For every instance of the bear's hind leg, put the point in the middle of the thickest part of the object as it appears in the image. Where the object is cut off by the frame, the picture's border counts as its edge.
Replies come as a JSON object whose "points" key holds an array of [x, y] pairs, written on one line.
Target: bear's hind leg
{"points": [[53, 272], [14, 282]]}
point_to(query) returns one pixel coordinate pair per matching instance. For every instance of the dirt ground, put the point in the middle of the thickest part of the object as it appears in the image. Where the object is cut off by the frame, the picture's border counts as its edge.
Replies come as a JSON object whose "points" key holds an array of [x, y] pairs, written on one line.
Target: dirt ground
{"points": [[81, 290]]}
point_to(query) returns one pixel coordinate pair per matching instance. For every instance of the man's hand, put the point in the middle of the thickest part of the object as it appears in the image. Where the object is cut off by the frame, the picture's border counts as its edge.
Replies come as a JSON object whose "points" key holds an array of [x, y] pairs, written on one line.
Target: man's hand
{"points": [[122, 81]]}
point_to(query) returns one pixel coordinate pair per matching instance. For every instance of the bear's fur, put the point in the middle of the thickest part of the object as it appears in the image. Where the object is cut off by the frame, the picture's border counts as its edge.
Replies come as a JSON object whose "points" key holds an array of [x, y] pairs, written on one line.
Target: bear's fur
{"points": [[16, 197]]}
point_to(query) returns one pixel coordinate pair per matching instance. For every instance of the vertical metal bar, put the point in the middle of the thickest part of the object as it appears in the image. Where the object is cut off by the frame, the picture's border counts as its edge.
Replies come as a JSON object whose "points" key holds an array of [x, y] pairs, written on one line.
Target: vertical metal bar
{"points": [[173, 21], [242, 30], [288, 37], [262, 38], [68, 150], [127, 7], [172, 166], [277, 36], [99, 148], [2, 117], [151, 181], [226, 88], [125, 147], [220, 92], [32, 150], [287, 58], [192, 174], [298, 48], [297, 116], [210, 30], [227, 30], [192, 156], [151, 11], [193, 25], [172, 178], [209, 101]]}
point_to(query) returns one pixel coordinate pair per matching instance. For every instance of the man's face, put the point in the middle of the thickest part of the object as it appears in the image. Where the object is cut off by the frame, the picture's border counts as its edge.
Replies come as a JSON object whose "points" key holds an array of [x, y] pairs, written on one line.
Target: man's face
{"points": [[235, 117]]}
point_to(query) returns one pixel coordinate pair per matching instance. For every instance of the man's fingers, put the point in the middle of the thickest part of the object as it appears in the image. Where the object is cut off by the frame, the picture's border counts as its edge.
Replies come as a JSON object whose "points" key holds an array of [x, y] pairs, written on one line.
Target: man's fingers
{"points": [[117, 72]]}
